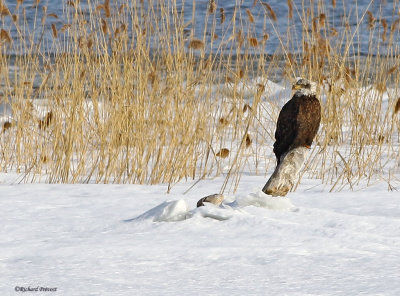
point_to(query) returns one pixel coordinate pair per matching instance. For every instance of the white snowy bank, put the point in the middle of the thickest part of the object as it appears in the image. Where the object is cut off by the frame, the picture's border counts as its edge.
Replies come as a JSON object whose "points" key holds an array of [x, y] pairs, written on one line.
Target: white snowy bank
{"points": [[88, 240]]}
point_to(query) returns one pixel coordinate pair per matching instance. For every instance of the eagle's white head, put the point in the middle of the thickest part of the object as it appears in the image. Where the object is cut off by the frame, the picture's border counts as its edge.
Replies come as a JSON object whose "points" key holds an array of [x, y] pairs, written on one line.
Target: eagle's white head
{"points": [[305, 87]]}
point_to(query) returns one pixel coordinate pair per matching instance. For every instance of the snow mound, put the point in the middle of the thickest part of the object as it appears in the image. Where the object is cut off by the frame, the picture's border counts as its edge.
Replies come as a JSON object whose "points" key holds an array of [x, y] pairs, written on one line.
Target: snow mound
{"points": [[178, 210], [169, 211], [211, 211], [260, 199]]}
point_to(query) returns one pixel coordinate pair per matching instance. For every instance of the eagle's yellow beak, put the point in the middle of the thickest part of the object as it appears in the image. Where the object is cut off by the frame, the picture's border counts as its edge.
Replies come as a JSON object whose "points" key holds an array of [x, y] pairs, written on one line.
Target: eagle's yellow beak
{"points": [[296, 87]]}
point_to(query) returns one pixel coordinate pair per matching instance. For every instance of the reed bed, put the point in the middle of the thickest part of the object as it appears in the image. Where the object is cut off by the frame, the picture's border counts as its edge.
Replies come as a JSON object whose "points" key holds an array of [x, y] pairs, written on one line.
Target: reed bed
{"points": [[130, 92]]}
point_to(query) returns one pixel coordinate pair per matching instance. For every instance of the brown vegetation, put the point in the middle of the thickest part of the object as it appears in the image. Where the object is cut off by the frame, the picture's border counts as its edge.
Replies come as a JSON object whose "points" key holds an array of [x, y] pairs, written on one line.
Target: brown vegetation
{"points": [[112, 105]]}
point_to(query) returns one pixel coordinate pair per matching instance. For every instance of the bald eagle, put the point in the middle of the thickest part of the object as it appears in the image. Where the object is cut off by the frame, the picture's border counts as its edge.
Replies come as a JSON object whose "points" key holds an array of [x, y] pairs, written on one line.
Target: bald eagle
{"points": [[299, 119]]}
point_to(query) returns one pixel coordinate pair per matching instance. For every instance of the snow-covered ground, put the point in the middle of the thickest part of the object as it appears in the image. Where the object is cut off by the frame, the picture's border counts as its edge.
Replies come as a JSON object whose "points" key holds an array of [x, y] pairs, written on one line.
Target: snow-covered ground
{"points": [[139, 240], [87, 240]]}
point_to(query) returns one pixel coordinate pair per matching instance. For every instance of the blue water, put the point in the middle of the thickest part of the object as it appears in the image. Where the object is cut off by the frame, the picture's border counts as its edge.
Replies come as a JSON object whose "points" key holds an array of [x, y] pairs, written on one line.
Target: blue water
{"points": [[364, 42]]}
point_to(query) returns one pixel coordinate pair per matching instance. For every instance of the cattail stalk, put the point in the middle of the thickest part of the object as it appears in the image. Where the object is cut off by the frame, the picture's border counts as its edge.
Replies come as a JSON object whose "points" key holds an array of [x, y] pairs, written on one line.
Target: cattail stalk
{"points": [[290, 8], [271, 12], [222, 15], [250, 16], [54, 30], [212, 6]]}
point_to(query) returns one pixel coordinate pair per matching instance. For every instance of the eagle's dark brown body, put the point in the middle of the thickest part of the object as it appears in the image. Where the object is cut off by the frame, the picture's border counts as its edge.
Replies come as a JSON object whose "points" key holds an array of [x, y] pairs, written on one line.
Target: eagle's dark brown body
{"points": [[298, 123]]}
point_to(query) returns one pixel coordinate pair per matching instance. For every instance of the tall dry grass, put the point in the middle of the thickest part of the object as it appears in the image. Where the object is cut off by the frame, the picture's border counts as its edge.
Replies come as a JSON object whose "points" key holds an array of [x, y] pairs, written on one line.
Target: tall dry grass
{"points": [[132, 93]]}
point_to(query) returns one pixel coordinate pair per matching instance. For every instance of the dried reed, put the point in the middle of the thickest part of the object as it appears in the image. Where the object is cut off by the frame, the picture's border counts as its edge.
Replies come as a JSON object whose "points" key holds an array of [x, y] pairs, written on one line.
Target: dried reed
{"points": [[271, 12], [196, 44], [250, 16], [253, 42], [54, 30], [5, 36], [212, 7], [397, 106], [371, 20], [385, 28], [222, 15], [130, 97], [223, 153], [290, 8]]}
